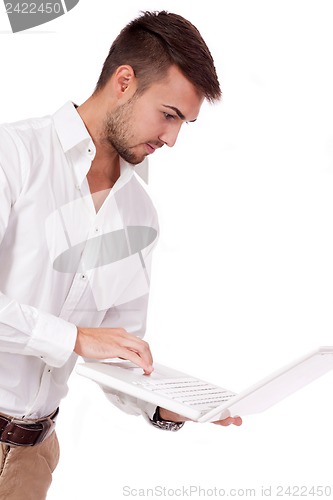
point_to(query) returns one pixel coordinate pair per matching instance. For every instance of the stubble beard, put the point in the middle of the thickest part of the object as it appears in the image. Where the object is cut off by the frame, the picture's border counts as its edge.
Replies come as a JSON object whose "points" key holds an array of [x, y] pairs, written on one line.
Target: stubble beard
{"points": [[117, 132]]}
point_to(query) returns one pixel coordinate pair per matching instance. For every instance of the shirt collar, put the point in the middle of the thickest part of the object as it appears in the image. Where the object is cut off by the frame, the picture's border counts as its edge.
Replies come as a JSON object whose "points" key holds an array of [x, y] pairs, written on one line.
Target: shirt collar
{"points": [[69, 126], [72, 131]]}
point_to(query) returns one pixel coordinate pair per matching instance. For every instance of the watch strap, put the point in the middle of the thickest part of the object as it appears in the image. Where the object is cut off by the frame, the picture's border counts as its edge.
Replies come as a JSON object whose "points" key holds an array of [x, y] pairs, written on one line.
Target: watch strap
{"points": [[166, 425]]}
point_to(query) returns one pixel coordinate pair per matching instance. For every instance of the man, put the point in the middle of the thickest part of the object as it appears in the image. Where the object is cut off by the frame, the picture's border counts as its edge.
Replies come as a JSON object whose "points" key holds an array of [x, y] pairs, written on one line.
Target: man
{"points": [[77, 231]]}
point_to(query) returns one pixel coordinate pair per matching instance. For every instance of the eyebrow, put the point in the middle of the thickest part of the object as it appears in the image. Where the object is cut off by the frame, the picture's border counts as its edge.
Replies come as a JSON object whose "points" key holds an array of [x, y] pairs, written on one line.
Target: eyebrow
{"points": [[179, 113]]}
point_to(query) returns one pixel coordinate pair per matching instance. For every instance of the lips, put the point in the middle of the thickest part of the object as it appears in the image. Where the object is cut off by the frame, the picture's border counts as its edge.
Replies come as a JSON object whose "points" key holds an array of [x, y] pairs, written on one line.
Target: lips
{"points": [[150, 148]]}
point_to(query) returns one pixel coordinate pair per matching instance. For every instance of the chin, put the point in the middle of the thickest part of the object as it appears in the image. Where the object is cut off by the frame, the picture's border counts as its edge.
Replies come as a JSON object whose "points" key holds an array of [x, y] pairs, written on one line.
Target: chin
{"points": [[135, 161]]}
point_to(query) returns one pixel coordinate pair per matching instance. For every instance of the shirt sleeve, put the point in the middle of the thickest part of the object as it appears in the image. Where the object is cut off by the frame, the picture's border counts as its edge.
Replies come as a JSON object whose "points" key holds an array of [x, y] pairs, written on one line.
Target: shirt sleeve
{"points": [[24, 329], [31, 332]]}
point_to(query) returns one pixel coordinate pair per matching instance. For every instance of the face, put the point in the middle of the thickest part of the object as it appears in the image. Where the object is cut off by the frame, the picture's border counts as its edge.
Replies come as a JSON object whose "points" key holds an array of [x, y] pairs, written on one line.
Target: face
{"points": [[148, 121]]}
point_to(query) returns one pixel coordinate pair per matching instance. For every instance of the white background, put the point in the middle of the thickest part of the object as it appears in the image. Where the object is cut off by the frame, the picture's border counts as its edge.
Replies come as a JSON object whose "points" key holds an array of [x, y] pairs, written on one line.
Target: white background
{"points": [[243, 274]]}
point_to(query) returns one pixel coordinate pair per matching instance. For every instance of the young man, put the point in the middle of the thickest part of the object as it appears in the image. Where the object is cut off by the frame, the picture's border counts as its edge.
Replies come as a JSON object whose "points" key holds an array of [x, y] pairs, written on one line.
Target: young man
{"points": [[77, 231]]}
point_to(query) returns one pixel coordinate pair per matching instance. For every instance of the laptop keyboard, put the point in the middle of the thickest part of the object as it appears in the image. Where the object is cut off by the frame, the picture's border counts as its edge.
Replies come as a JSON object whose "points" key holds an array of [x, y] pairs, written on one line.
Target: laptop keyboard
{"points": [[189, 390]]}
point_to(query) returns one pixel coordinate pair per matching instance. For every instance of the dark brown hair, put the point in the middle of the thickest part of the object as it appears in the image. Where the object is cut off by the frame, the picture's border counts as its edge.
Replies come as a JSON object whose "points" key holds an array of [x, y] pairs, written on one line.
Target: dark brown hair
{"points": [[153, 42]]}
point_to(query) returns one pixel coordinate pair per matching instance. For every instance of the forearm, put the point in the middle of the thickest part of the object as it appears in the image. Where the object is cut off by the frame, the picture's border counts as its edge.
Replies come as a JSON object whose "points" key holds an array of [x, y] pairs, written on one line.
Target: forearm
{"points": [[171, 416], [175, 417]]}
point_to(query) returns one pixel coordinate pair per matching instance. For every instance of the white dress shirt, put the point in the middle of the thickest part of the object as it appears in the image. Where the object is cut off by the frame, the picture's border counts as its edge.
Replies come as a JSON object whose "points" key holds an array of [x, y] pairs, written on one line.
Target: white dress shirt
{"points": [[62, 264]]}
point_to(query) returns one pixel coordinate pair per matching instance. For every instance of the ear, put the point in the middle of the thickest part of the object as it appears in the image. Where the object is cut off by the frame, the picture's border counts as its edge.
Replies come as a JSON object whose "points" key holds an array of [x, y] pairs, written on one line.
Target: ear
{"points": [[125, 82]]}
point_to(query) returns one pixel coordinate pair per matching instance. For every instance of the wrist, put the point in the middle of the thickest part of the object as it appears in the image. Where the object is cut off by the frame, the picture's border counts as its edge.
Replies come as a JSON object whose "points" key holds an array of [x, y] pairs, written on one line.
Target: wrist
{"points": [[78, 345], [170, 416]]}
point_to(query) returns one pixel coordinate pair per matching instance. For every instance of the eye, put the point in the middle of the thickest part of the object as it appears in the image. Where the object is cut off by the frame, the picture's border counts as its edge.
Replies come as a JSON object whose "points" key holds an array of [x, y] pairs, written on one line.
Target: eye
{"points": [[167, 116]]}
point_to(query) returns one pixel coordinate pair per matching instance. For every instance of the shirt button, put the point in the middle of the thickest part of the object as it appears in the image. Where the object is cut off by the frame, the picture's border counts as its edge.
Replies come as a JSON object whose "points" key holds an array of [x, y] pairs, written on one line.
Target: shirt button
{"points": [[90, 151]]}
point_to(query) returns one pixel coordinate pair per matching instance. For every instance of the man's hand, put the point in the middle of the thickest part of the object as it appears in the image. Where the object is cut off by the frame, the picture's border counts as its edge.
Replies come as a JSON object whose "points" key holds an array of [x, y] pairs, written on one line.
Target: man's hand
{"points": [[102, 343], [229, 421], [174, 417]]}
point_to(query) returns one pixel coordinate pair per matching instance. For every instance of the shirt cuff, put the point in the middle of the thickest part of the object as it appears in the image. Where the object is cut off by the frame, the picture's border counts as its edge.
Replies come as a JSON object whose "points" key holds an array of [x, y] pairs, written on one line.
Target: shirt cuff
{"points": [[129, 404], [148, 411], [135, 406], [53, 339]]}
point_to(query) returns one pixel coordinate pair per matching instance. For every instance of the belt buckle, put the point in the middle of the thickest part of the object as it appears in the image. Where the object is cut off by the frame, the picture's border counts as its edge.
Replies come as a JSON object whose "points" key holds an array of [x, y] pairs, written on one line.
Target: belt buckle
{"points": [[15, 432]]}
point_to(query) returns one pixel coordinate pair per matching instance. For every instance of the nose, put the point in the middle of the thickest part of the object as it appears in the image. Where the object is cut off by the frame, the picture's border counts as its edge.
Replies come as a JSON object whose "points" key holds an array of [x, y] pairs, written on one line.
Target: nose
{"points": [[169, 135]]}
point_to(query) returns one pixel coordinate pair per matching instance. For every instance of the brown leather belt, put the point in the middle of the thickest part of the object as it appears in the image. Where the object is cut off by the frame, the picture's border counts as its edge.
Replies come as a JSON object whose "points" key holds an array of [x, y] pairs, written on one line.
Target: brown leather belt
{"points": [[19, 432]]}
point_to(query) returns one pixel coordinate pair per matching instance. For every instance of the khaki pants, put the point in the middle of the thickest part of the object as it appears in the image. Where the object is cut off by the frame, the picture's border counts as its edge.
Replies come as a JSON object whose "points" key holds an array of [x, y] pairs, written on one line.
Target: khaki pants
{"points": [[26, 471]]}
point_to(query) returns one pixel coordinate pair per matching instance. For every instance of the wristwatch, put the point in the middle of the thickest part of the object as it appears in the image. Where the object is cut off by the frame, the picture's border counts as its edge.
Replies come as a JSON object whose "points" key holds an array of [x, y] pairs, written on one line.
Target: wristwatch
{"points": [[166, 425]]}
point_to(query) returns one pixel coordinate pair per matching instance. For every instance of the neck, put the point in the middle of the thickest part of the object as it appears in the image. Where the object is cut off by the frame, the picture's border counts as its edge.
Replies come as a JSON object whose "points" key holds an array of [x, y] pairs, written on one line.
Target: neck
{"points": [[105, 168]]}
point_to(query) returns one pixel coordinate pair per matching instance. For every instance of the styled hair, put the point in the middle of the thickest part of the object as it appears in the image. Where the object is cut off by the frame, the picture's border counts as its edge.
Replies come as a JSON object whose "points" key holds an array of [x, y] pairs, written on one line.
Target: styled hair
{"points": [[153, 42]]}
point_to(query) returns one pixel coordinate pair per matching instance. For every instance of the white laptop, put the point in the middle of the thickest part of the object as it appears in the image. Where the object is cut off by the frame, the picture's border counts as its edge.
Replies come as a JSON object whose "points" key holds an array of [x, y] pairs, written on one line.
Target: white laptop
{"points": [[202, 401]]}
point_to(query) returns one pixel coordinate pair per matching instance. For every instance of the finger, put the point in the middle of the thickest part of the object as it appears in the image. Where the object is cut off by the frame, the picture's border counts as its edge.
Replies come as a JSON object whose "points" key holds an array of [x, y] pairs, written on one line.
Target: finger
{"points": [[238, 421], [225, 422], [135, 343], [138, 360], [229, 421], [141, 348], [147, 366], [128, 346]]}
